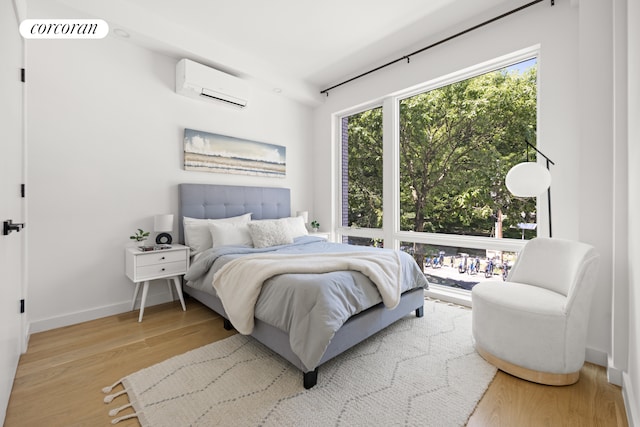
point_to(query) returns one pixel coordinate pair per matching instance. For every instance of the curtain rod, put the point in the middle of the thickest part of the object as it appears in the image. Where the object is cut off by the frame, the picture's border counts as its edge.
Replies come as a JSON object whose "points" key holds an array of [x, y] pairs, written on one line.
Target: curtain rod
{"points": [[408, 56]]}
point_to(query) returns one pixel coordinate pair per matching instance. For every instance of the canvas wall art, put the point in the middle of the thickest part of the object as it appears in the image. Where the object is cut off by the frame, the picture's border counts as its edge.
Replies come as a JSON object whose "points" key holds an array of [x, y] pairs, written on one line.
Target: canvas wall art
{"points": [[209, 152]]}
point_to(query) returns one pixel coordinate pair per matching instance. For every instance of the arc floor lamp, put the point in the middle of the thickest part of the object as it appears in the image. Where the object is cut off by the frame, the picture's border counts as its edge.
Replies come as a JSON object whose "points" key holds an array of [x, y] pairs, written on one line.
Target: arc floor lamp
{"points": [[531, 179]]}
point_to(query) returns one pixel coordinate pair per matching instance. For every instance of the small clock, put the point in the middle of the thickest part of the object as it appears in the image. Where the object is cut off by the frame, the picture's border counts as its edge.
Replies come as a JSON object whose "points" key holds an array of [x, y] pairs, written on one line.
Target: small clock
{"points": [[164, 239]]}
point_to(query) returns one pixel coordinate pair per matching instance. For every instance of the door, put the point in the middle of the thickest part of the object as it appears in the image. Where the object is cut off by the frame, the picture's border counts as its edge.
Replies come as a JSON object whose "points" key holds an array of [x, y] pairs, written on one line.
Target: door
{"points": [[11, 202]]}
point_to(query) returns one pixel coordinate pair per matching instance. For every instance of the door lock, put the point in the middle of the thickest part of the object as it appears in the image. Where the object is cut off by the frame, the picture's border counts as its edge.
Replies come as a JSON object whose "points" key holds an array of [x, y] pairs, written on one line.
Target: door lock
{"points": [[9, 226]]}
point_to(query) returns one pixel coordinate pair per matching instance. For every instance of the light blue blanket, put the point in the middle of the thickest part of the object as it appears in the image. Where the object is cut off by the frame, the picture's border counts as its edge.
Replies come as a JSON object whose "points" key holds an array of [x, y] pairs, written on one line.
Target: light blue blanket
{"points": [[309, 307]]}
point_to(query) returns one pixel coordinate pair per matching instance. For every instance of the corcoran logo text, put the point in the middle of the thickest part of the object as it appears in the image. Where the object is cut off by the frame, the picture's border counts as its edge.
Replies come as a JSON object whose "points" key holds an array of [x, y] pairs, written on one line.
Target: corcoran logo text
{"points": [[64, 28]]}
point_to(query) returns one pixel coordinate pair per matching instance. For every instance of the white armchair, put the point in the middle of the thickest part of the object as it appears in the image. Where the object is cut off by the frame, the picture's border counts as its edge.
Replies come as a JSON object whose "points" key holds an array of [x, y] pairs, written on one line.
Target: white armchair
{"points": [[534, 325]]}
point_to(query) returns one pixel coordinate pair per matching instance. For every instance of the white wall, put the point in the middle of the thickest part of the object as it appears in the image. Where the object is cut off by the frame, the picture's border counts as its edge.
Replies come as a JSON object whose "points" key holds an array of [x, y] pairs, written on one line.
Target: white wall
{"points": [[620, 287], [105, 131], [596, 149], [631, 384], [574, 130]]}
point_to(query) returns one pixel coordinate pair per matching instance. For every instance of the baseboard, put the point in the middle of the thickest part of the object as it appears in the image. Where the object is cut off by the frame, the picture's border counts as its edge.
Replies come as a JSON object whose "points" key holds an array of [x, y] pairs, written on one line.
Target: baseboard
{"points": [[614, 375], [629, 396], [597, 357], [92, 314], [27, 335]]}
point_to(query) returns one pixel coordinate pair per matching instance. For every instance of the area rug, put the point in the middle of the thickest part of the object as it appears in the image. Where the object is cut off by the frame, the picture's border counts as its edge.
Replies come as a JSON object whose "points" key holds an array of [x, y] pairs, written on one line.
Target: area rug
{"points": [[417, 372]]}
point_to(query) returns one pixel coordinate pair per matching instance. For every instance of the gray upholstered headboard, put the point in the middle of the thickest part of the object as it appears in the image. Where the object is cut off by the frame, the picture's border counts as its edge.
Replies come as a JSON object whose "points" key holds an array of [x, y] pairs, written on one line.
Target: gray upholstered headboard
{"points": [[222, 201]]}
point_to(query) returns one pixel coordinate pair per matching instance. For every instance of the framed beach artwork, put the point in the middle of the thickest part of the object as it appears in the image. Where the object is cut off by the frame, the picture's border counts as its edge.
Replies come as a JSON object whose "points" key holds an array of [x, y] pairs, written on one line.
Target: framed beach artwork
{"points": [[210, 152]]}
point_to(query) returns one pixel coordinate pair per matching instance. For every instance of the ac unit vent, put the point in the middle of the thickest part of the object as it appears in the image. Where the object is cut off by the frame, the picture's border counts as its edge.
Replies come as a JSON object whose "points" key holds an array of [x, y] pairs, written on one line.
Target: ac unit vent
{"points": [[199, 81]]}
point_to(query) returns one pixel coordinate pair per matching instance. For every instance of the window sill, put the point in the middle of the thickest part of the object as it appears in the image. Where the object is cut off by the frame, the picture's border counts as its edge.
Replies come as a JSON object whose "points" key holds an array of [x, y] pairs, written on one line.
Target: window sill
{"points": [[448, 294]]}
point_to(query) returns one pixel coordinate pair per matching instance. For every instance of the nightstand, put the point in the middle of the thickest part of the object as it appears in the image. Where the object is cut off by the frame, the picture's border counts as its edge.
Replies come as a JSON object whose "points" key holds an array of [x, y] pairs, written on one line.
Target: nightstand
{"points": [[142, 267], [324, 235]]}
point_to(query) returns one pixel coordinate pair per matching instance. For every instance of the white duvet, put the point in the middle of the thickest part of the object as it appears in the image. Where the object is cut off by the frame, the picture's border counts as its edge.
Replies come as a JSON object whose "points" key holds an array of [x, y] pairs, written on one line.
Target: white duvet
{"points": [[239, 282]]}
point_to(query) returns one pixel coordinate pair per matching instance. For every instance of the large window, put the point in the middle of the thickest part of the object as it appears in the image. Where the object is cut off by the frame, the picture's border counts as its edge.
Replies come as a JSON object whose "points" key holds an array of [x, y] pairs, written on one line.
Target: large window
{"points": [[362, 169], [361, 177], [457, 143], [454, 144]]}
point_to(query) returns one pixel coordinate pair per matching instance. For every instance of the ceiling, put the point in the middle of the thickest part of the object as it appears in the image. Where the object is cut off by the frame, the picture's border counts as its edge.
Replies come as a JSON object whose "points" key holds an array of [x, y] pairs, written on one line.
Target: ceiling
{"points": [[297, 47]]}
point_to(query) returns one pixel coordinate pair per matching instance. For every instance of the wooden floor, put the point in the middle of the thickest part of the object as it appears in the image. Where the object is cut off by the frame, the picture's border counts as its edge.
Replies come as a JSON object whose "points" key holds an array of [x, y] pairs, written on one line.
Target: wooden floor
{"points": [[59, 379]]}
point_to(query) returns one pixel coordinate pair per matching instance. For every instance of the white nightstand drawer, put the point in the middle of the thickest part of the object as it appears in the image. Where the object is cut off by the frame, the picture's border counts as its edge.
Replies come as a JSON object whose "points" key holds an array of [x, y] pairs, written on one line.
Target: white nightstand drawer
{"points": [[159, 270], [158, 257]]}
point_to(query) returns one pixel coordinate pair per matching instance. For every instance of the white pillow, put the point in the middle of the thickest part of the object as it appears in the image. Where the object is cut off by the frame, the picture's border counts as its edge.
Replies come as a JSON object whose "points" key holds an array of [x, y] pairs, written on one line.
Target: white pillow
{"points": [[230, 233], [269, 232], [197, 235], [296, 226]]}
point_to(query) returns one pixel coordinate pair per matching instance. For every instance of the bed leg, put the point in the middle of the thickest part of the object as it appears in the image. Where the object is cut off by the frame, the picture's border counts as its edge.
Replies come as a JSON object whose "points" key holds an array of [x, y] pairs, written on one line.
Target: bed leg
{"points": [[420, 311], [227, 325], [310, 378]]}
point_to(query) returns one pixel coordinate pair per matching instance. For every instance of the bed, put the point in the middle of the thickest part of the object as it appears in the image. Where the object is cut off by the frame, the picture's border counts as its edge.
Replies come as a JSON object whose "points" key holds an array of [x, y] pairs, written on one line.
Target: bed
{"points": [[215, 202]]}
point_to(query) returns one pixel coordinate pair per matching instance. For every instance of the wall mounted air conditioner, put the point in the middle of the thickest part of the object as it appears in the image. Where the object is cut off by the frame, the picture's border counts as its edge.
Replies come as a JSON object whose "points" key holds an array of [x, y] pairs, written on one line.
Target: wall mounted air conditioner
{"points": [[199, 81]]}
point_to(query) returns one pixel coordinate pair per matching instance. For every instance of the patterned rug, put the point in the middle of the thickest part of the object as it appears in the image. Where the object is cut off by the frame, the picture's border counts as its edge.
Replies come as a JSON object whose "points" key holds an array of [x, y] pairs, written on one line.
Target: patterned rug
{"points": [[417, 372]]}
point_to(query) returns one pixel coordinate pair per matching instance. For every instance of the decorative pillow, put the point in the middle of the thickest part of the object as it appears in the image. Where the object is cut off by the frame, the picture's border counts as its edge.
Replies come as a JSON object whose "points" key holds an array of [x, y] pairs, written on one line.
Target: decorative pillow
{"points": [[296, 226], [269, 232], [230, 233], [197, 235]]}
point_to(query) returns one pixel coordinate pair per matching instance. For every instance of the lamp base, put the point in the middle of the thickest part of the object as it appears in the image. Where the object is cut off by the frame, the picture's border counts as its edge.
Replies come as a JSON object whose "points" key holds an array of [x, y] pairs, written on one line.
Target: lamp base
{"points": [[164, 239]]}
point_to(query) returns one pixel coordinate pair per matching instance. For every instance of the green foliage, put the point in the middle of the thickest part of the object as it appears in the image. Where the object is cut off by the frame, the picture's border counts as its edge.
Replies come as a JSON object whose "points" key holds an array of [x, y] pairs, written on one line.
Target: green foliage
{"points": [[457, 143], [365, 169], [140, 235]]}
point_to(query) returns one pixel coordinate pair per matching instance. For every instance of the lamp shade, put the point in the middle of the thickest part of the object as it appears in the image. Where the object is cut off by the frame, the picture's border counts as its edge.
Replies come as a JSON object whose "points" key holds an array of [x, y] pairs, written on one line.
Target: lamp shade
{"points": [[163, 223], [528, 179], [303, 214]]}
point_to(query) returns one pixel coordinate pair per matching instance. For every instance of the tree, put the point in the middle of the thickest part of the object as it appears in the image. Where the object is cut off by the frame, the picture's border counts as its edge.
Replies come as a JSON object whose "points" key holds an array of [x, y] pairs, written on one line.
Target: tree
{"points": [[457, 143], [365, 169]]}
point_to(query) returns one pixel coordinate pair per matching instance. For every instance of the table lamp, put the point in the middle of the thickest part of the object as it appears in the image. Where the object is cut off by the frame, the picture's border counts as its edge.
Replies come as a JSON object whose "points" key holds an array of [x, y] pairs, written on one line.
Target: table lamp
{"points": [[163, 224]]}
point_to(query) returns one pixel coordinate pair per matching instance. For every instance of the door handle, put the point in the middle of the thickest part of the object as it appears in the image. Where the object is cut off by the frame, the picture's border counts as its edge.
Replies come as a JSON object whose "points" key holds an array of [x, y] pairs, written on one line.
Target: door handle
{"points": [[9, 226]]}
